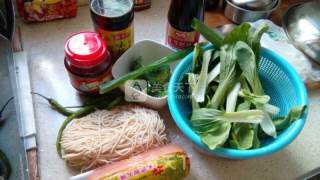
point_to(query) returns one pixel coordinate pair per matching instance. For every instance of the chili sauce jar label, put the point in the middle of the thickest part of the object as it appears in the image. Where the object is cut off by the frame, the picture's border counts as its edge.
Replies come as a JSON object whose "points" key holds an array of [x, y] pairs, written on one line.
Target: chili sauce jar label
{"points": [[118, 41], [87, 84], [180, 39]]}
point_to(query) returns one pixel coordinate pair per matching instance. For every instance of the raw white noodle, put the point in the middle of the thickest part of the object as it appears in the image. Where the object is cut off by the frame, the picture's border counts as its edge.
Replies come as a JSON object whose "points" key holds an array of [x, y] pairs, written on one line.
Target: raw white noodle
{"points": [[106, 136]]}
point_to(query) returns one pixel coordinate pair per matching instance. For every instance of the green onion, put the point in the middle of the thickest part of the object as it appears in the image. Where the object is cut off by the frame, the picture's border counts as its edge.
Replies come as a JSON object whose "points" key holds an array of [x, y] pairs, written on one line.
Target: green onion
{"points": [[206, 32], [108, 86]]}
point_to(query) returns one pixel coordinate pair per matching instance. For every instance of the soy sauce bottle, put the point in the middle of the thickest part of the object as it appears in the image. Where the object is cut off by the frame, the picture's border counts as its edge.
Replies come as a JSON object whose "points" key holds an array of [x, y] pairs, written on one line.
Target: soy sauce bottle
{"points": [[179, 33], [211, 4]]}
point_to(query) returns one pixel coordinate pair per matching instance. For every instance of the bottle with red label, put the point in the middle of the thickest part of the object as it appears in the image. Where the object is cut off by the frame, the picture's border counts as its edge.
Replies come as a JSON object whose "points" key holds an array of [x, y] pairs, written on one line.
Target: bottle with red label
{"points": [[180, 34]]}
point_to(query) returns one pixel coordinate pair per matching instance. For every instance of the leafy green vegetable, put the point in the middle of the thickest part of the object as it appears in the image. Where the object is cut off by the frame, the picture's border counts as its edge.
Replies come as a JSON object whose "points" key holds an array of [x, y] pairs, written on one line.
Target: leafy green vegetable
{"points": [[259, 100], [247, 63], [256, 142], [200, 88], [214, 125], [203, 116], [136, 64], [159, 75], [254, 38], [228, 74], [218, 137], [242, 136], [231, 108], [156, 89], [282, 123], [239, 33], [156, 79]]}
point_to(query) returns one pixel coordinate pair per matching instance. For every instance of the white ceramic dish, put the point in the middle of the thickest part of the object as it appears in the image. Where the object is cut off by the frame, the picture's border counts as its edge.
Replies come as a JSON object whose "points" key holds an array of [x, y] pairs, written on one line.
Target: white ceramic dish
{"points": [[150, 51]]}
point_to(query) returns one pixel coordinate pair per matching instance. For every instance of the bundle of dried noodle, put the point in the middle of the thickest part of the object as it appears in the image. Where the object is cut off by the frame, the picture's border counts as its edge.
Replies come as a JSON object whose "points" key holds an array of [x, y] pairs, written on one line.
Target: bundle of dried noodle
{"points": [[106, 136]]}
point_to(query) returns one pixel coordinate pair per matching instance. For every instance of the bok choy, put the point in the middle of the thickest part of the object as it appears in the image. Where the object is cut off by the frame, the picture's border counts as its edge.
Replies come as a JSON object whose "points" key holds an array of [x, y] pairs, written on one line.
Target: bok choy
{"points": [[229, 105]]}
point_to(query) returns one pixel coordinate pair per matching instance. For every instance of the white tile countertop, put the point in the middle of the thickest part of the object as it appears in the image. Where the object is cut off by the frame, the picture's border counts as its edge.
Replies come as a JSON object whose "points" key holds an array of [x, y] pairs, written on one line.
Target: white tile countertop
{"points": [[44, 43]]}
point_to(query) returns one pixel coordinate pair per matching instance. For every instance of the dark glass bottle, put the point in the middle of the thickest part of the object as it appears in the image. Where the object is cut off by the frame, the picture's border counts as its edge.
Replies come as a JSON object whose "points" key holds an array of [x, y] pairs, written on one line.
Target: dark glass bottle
{"points": [[179, 31], [211, 4]]}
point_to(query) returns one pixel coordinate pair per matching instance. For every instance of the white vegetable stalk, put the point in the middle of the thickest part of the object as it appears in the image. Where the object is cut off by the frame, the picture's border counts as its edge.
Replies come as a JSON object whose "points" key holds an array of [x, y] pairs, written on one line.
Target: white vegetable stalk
{"points": [[192, 80], [267, 125], [248, 116], [271, 109], [214, 73], [201, 86], [232, 98]]}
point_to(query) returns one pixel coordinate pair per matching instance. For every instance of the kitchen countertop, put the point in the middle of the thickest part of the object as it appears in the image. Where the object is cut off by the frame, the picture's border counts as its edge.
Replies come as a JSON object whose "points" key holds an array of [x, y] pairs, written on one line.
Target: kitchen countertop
{"points": [[44, 45]]}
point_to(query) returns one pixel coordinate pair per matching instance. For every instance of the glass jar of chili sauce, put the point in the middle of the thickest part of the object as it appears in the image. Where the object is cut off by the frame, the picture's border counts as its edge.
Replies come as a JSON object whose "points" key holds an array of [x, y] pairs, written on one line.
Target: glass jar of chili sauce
{"points": [[87, 61], [113, 19]]}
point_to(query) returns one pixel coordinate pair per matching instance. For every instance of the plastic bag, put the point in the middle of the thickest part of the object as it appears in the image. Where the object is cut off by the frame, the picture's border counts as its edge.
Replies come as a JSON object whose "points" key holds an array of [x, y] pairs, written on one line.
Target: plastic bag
{"points": [[276, 40]]}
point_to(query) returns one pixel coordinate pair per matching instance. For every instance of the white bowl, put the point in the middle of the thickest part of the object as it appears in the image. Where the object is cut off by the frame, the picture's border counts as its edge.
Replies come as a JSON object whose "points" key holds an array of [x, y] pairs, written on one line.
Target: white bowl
{"points": [[150, 51]]}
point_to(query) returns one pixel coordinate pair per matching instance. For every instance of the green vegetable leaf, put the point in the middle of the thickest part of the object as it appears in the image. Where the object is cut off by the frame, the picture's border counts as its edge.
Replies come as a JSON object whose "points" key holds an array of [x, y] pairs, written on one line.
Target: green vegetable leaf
{"points": [[239, 33], [247, 63], [160, 75], [208, 115], [242, 136], [258, 100], [295, 113], [254, 38], [218, 137], [136, 64], [256, 142], [244, 106], [200, 89]]}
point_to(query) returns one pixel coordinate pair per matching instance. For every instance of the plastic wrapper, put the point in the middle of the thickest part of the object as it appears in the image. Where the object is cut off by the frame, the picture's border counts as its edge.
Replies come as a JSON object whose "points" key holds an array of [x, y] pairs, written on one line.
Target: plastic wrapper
{"points": [[46, 10]]}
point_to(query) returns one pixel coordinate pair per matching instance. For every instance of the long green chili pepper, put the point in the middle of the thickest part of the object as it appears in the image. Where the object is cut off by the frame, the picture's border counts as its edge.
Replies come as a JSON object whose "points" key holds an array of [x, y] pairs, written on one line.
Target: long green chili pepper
{"points": [[55, 105], [80, 113], [5, 166]]}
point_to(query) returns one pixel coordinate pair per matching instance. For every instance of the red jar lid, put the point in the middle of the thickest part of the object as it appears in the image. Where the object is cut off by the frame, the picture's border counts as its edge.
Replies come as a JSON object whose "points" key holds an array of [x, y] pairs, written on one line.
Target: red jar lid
{"points": [[86, 49]]}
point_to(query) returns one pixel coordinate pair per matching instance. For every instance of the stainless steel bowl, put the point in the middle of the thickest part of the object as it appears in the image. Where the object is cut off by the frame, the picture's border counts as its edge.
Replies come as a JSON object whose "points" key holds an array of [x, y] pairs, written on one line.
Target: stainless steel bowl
{"points": [[238, 14], [255, 4], [302, 25]]}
